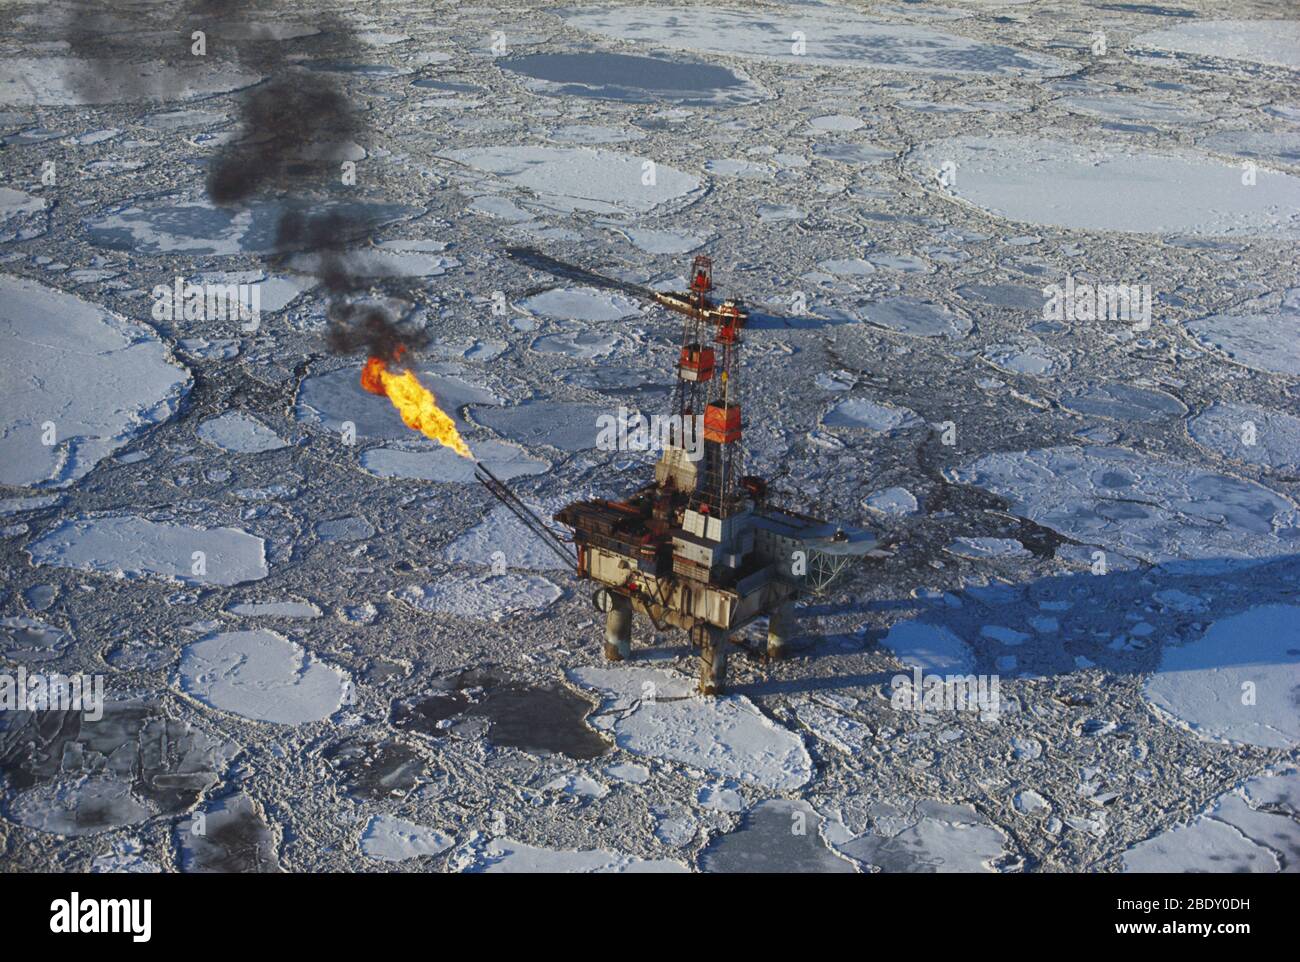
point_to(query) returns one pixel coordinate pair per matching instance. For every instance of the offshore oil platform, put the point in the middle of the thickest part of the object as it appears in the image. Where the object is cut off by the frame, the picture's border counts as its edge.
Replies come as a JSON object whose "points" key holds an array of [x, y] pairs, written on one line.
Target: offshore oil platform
{"points": [[701, 547]]}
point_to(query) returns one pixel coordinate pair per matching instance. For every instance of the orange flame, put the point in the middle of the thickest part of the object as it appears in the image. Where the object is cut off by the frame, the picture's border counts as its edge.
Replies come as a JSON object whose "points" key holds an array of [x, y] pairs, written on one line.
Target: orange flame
{"points": [[415, 403]]}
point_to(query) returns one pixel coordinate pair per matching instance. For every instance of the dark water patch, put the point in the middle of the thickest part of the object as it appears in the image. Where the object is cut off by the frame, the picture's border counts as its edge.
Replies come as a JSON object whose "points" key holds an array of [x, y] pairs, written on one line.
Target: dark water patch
{"points": [[163, 760], [230, 837], [376, 769], [775, 836], [631, 79], [548, 720]]}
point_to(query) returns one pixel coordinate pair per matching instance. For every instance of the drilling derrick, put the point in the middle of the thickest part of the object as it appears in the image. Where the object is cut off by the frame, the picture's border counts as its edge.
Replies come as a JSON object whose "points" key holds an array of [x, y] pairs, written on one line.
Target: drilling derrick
{"points": [[700, 548]]}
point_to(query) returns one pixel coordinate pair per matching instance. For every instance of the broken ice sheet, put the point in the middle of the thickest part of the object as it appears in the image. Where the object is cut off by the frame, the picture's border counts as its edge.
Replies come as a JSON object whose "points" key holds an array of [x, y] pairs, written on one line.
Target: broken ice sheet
{"points": [[484, 597], [1155, 510], [262, 675], [69, 776], [929, 836], [726, 735], [505, 855], [234, 838], [79, 382], [835, 38], [777, 835], [124, 546]]}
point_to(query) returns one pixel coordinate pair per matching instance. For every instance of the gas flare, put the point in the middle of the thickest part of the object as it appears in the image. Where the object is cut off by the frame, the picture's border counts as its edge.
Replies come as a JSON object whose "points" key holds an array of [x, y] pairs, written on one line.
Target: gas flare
{"points": [[414, 402]]}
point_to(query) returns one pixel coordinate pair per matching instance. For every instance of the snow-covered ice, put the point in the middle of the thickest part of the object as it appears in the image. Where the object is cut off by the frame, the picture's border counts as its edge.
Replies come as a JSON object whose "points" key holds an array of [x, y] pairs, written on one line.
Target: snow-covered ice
{"points": [[125, 546], [1237, 682], [239, 433], [485, 597], [727, 735], [262, 675], [392, 839], [1112, 188], [76, 390]]}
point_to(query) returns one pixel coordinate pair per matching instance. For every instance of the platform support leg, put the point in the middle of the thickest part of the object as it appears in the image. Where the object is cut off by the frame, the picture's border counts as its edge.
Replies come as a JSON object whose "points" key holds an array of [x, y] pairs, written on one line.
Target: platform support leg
{"points": [[713, 660], [618, 630], [780, 628]]}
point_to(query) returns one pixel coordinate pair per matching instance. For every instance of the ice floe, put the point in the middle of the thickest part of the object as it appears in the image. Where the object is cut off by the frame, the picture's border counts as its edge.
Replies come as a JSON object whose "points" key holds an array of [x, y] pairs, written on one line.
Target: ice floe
{"points": [[239, 433], [125, 546], [1153, 510], [580, 304], [927, 836], [175, 225], [660, 716], [484, 597], [234, 838], [1124, 402], [777, 835], [262, 675], [1104, 188], [932, 648], [1274, 42], [501, 539], [833, 37], [73, 778], [505, 855], [870, 416], [1237, 682], [633, 79], [581, 178], [1264, 342], [68, 81], [79, 382], [1249, 433], [392, 839]]}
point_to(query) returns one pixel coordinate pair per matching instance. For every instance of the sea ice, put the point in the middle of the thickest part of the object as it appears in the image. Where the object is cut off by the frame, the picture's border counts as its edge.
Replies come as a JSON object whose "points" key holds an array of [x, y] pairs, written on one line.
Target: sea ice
{"points": [[391, 839], [1124, 402], [69, 81], [1264, 342], [1104, 188], [262, 675], [1249, 433], [580, 304], [239, 433], [125, 546], [835, 37], [1237, 682], [1158, 511], [501, 539], [932, 648], [505, 855], [726, 735], [871, 416], [581, 178], [481, 596], [1274, 42], [78, 376]]}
